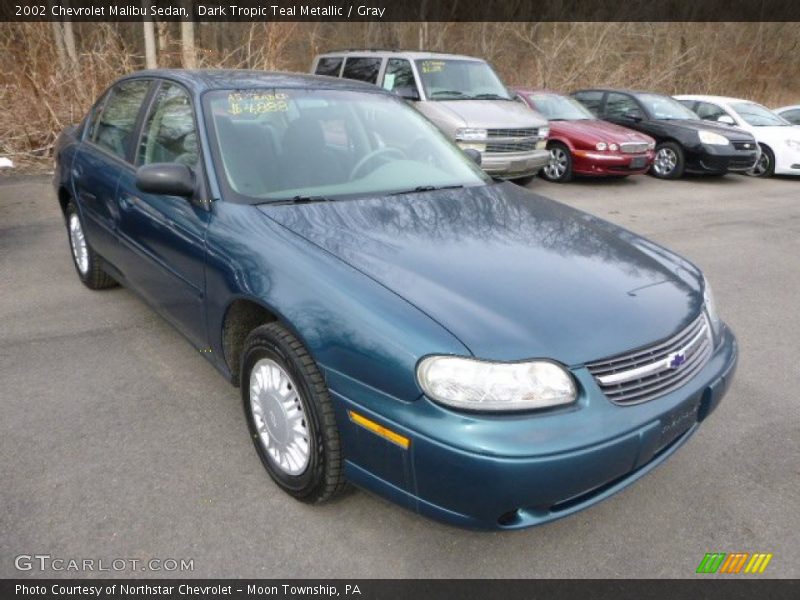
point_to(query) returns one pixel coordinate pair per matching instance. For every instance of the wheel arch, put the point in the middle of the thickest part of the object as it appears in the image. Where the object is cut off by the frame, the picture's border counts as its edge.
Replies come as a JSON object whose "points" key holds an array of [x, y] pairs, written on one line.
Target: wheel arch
{"points": [[241, 316]]}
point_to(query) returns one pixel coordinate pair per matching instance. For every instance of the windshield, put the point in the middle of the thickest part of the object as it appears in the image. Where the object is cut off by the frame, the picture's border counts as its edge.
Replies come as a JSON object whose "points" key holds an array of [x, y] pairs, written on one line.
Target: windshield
{"points": [[757, 115], [560, 108], [665, 108], [295, 144], [453, 79]]}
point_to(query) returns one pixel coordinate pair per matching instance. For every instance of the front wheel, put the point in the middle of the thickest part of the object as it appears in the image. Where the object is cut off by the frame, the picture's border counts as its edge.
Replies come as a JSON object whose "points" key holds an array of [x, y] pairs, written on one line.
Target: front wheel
{"points": [[765, 166], [669, 162], [559, 170], [290, 415], [88, 263]]}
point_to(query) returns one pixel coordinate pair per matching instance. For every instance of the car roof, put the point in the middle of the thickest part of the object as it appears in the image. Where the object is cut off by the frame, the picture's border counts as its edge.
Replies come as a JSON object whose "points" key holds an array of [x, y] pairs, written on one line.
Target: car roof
{"points": [[789, 107], [620, 90], [411, 54], [526, 90], [710, 98], [201, 80]]}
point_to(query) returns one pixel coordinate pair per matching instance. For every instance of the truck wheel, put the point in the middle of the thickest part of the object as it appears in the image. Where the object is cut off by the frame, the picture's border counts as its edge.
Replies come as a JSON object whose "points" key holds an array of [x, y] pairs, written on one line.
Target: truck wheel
{"points": [[290, 415], [87, 262]]}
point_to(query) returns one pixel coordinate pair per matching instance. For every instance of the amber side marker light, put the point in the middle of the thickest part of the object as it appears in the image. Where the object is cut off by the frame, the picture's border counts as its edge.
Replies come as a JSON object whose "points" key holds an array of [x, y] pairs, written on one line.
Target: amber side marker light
{"points": [[380, 430]]}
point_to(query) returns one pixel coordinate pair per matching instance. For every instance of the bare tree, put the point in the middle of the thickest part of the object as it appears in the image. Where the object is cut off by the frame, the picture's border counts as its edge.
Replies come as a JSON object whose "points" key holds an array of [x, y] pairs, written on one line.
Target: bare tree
{"points": [[188, 52], [149, 41]]}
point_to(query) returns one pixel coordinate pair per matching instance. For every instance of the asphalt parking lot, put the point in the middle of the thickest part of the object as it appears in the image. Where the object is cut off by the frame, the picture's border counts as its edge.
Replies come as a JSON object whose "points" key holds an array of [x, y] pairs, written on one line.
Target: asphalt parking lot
{"points": [[118, 440]]}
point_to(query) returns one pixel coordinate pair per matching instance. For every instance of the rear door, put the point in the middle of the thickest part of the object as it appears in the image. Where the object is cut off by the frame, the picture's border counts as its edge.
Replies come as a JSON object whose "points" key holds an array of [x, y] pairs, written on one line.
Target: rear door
{"points": [[103, 154], [164, 236]]}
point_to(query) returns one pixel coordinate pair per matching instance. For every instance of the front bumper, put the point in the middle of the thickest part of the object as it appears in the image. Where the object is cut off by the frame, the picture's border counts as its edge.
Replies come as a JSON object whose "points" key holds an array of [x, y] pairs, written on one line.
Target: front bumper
{"points": [[515, 164], [516, 471], [720, 159], [588, 162]]}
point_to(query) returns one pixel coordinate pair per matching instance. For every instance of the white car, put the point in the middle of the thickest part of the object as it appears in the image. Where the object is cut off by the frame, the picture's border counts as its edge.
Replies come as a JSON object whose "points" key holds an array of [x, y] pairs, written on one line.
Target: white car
{"points": [[778, 138], [790, 113]]}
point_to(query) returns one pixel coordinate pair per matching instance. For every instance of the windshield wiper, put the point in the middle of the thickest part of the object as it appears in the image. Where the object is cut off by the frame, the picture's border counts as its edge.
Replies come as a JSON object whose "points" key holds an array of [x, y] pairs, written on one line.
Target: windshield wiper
{"points": [[428, 188], [302, 199], [448, 92], [490, 97]]}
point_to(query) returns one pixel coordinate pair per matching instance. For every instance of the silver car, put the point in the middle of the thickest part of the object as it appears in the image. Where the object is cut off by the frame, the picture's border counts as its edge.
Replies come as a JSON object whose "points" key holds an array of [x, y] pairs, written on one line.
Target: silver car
{"points": [[462, 95]]}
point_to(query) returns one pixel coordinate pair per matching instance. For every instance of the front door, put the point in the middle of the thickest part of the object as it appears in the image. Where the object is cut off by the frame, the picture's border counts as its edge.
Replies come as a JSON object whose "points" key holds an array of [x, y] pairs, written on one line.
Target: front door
{"points": [[165, 235]]}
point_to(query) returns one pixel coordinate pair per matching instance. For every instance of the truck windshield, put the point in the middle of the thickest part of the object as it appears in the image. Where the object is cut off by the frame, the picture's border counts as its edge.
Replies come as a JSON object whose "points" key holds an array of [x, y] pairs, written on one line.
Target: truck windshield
{"points": [[560, 108], [458, 79], [310, 144]]}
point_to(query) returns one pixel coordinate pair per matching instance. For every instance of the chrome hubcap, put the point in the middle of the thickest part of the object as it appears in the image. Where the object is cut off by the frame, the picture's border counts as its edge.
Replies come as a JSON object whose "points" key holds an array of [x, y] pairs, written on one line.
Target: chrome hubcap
{"points": [[665, 161], [558, 164], [762, 165], [279, 417], [80, 253]]}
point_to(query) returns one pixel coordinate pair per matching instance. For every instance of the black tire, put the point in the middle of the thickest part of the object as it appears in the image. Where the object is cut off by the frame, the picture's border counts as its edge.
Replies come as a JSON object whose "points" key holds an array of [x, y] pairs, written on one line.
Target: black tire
{"points": [[677, 170], [323, 477], [558, 152], [93, 276], [524, 181], [765, 167]]}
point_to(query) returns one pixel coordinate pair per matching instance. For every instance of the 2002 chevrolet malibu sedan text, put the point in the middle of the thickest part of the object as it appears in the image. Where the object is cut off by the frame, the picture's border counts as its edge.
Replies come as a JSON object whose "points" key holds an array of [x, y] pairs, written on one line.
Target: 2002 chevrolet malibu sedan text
{"points": [[394, 318]]}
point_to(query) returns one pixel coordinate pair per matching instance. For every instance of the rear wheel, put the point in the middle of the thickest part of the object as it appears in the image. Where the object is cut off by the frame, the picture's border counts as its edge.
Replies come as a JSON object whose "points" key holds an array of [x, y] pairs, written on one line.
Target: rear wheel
{"points": [[765, 167], [559, 170], [669, 162], [88, 263], [290, 415]]}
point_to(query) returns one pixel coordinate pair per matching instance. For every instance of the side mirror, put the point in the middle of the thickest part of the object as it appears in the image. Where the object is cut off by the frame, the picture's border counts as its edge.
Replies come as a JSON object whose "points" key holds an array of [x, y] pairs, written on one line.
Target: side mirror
{"points": [[170, 179], [634, 115], [726, 119], [474, 155], [407, 92]]}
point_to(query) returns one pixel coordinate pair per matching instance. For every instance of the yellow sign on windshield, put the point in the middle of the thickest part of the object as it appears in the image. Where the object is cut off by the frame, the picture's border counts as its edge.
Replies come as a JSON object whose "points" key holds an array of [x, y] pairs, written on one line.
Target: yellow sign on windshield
{"points": [[257, 103]]}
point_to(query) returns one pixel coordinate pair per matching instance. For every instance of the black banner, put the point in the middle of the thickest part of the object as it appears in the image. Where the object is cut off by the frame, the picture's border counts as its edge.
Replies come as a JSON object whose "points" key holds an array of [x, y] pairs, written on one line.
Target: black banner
{"points": [[705, 587], [400, 10]]}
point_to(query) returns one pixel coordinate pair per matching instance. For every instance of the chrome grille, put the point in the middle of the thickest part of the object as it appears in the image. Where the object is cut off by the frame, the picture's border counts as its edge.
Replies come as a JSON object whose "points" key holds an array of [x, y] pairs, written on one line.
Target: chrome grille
{"points": [[511, 146], [512, 133], [654, 371], [633, 147]]}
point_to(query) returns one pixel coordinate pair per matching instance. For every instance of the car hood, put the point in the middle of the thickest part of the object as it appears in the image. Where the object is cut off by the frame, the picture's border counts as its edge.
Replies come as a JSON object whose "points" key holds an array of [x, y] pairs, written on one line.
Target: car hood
{"points": [[730, 132], [595, 130], [491, 114], [511, 274]]}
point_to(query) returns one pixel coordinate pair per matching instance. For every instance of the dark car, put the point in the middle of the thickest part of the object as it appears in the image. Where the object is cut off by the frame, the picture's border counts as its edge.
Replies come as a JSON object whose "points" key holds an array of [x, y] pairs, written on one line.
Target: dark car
{"points": [[685, 143], [394, 317], [582, 144]]}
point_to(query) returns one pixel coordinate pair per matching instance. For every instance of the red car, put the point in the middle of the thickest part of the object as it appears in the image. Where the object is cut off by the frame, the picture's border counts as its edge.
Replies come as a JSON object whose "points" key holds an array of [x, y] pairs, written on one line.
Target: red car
{"points": [[582, 144]]}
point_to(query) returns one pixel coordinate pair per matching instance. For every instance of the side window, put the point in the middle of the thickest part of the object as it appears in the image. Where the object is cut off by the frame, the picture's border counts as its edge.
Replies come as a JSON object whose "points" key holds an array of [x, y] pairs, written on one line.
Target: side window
{"points": [[329, 65], [94, 118], [362, 68], [619, 105], [793, 116], [169, 134], [708, 111], [114, 128], [591, 100], [398, 75]]}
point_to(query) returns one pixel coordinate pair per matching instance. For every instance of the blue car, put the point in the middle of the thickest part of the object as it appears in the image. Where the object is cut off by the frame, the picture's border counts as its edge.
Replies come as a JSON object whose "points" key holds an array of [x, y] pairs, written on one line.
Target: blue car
{"points": [[394, 318]]}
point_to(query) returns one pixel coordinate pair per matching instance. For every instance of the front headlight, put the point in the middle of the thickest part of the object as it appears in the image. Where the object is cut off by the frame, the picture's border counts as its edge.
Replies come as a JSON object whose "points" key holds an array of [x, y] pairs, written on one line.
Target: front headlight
{"points": [[714, 139], [794, 144], [651, 145], [711, 307], [473, 384], [613, 147], [601, 146], [544, 132], [470, 133]]}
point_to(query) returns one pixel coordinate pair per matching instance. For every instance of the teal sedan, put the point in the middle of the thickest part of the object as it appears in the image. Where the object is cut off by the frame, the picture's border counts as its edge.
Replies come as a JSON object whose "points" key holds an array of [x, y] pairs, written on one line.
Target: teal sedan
{"points": [[393, 317]]}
